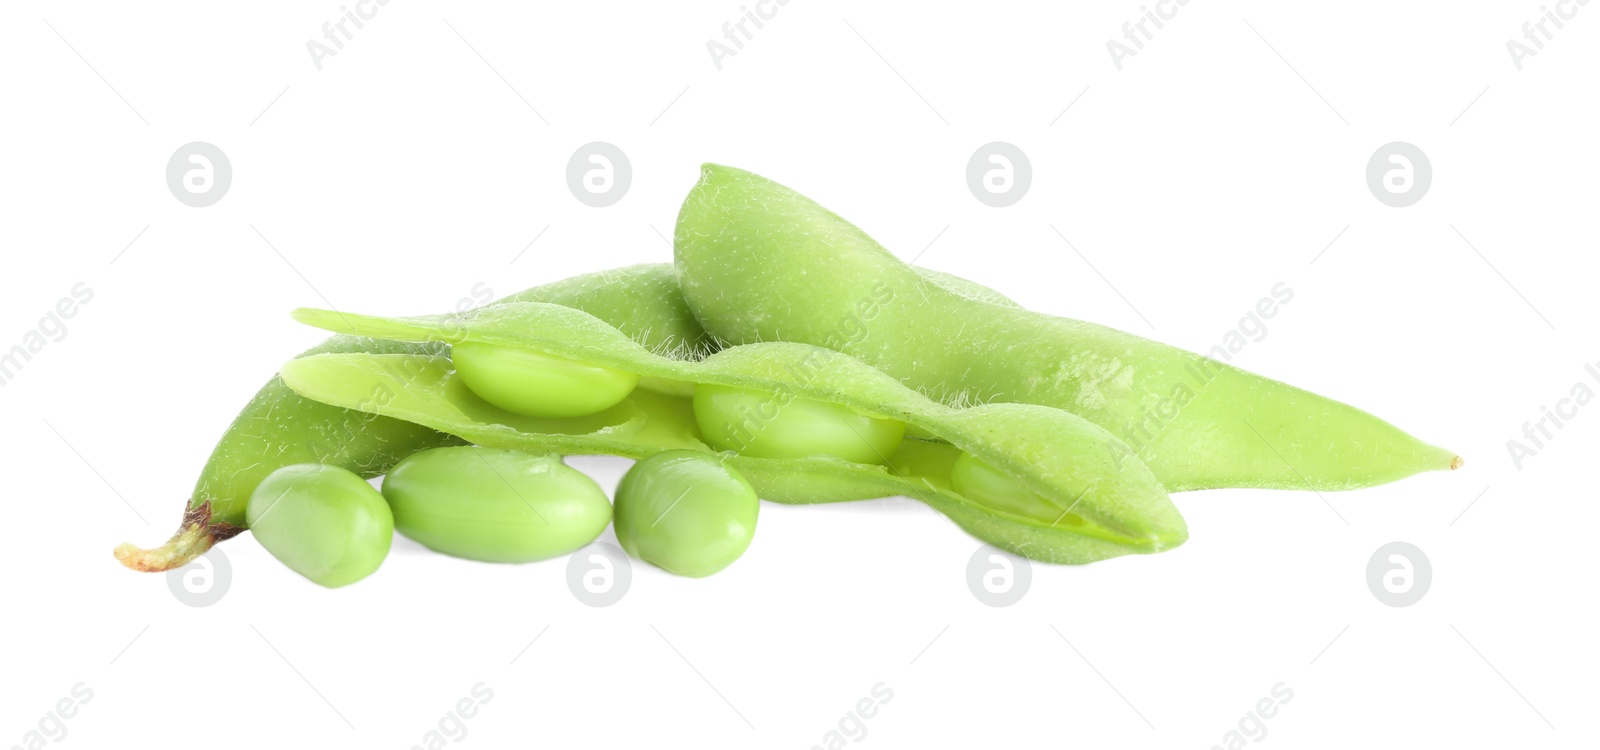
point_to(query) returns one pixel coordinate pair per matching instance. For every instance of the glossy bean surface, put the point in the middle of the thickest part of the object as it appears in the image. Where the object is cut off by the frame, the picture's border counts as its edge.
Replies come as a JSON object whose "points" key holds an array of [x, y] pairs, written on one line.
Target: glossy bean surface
{"points": [[539, 385], [495, 505], [975, 478], [324, 522], [777, 425], [685, 512]]}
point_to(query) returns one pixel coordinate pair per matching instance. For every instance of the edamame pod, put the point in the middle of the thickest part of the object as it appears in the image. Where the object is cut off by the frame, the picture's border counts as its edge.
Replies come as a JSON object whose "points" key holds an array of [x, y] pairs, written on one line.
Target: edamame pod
{"points": [[279, 428], [495, 505], [1056, 455], [758, 262]]}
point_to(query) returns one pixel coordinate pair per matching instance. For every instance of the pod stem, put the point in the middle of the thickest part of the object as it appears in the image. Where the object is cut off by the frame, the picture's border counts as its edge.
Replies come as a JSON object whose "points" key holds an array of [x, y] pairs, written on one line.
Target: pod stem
{"points": [[196, 535]]}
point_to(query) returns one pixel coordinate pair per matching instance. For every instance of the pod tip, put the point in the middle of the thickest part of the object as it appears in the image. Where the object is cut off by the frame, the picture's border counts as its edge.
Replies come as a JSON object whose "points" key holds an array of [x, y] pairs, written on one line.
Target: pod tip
{"points": [[173, 554], [307, 315], [1457, 462], [196, 535]]}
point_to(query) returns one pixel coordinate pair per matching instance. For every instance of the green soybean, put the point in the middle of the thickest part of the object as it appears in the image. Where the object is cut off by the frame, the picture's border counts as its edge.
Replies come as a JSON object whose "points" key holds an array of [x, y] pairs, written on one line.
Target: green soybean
{"points": [[495, 505], [686, 512], [778, 425], [324, 522], [1065, 460], [758, 261], [539, 385], [278, 427]]}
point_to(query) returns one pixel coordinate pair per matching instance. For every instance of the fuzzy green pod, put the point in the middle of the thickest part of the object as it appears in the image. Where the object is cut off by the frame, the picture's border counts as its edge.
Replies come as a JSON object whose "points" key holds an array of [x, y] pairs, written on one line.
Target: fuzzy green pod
{"points": [[748, 250], [279, 428], [1060, 457]]}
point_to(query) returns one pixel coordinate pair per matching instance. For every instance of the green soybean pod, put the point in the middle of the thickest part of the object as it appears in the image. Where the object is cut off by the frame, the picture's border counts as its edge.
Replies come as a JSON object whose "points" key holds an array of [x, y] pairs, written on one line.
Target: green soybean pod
{"points": [[1068, 462], [760, 262], [495, 505], [686, 512], [781, 425], [279, 427], [324, 522]]}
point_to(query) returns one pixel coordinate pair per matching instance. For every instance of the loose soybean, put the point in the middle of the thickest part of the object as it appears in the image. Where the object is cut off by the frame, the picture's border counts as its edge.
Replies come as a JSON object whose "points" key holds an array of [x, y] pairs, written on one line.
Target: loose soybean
{"points": [[324, 522], [685, 512], [495, 505]]}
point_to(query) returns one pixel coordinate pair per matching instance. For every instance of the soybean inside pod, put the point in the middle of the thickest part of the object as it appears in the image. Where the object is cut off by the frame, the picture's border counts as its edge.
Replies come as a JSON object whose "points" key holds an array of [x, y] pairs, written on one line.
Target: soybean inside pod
{"points": [[1049, 487]]}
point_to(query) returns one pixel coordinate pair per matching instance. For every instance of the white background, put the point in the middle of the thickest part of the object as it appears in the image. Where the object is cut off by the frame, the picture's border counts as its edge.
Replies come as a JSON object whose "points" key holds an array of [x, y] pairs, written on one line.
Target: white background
{"points": [[410, 168]]}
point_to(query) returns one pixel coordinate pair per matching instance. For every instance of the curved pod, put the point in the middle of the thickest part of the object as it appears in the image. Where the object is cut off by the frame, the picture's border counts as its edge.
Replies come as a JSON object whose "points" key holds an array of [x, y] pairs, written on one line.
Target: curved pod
{"points": [[748, 248], [1060, 457]]}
